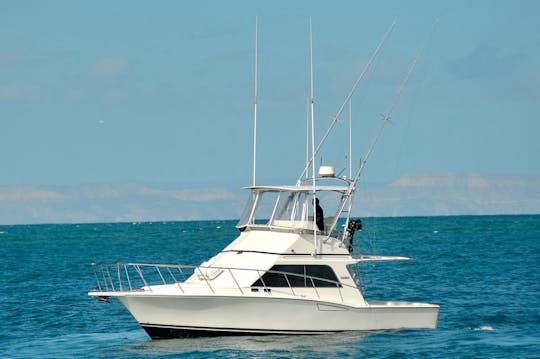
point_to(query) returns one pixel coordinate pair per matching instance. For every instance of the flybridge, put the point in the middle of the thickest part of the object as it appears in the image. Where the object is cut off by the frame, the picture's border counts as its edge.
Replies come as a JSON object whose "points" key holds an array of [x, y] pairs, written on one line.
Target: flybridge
{"points": [[292, 207], [305, 183]]}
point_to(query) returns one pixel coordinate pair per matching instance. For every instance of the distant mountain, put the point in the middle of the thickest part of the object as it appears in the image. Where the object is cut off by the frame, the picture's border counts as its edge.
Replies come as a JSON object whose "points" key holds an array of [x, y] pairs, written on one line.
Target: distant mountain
{"points": [[114, 203], [452, 194], [412, 195]]}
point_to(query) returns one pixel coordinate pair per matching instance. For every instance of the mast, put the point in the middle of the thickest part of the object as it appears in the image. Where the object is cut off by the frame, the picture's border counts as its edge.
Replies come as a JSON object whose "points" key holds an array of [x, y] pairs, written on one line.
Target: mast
{"points": [[255, 101], [311, 104]]}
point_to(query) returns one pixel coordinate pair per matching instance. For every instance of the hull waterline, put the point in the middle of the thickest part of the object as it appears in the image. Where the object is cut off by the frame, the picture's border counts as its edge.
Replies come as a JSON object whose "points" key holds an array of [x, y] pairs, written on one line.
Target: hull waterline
{"points": [[196, 316]]}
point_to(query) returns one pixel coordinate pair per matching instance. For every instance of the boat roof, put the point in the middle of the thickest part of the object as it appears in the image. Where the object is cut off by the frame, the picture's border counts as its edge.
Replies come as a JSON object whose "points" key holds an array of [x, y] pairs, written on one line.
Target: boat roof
{"points": [[301, 188]]}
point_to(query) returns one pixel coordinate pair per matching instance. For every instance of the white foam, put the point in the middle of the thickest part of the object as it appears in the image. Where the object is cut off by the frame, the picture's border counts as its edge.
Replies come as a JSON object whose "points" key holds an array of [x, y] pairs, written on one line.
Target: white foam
{"points": [[484, 327]]}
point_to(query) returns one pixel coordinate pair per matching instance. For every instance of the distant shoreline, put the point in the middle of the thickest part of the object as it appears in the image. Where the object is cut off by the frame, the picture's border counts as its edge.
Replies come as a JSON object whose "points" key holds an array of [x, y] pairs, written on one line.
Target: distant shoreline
{"points": [[236, 220]]}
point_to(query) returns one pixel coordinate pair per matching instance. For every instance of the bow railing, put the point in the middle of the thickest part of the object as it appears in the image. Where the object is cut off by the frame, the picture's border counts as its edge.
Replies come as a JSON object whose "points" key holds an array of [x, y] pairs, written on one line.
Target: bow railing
{"points": [[140, 277]]}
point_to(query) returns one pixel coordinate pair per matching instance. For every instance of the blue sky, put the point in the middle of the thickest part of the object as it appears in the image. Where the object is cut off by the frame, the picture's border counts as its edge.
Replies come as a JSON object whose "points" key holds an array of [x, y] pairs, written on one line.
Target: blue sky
{"points": [[161, 92]]}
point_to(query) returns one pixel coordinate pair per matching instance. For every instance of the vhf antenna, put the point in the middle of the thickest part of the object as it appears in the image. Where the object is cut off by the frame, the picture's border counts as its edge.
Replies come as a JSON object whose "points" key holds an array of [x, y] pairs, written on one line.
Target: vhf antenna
{"points": [[255, 102]]}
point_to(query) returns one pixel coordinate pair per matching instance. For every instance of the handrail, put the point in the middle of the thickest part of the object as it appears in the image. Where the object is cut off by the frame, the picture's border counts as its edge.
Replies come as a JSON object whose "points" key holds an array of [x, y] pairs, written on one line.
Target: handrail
{"points": [[144, 274], [300, 230]]}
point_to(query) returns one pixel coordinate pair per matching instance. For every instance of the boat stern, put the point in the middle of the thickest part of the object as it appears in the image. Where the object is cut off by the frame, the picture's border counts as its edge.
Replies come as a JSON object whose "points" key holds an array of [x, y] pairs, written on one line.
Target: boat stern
{"points": [[405, 315]]}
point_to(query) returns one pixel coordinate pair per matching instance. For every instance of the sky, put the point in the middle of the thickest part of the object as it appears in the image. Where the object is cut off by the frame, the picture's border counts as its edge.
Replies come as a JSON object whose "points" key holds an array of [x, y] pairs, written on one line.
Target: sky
{"points": [[161, 93]]}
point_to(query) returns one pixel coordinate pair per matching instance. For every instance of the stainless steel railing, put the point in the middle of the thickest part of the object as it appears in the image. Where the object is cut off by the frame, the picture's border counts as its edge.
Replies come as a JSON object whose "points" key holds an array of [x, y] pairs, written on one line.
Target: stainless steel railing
{"points": [[131, 277]]}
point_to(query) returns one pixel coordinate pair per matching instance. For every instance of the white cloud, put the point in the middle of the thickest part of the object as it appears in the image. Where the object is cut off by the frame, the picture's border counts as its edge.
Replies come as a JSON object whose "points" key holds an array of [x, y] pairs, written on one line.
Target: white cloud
{"points": [[29, 194], [212, 194], [17, 56], [18, 92], [122, 192], [111, 66]]}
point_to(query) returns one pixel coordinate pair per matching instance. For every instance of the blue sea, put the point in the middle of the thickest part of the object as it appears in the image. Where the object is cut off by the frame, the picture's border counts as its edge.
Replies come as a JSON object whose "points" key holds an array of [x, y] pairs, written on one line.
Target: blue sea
{"points": [[484, 271]]}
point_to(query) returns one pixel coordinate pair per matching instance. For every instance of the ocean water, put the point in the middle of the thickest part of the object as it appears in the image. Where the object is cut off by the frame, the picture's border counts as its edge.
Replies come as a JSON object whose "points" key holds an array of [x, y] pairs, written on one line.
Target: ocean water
{"points": [[484, 272]]}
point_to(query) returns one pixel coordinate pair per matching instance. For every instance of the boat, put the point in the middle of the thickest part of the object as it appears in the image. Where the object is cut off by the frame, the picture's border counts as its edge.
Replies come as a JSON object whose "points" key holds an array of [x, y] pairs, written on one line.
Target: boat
{"points": [[281, 275], [291, 270]]}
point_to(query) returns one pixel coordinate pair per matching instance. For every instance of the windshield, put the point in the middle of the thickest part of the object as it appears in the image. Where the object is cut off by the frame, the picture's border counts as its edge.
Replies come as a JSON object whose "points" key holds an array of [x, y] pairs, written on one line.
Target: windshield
{"points": [[293, 209]]}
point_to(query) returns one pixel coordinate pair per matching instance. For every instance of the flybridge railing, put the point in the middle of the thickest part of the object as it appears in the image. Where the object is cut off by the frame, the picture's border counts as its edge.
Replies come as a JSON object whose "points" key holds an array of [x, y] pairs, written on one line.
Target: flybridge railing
{"points": [[139, 277]]}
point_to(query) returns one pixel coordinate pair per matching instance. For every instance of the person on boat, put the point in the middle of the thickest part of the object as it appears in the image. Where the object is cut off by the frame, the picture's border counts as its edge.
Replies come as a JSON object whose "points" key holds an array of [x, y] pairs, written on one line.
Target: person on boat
{"points": [[319, 215]]}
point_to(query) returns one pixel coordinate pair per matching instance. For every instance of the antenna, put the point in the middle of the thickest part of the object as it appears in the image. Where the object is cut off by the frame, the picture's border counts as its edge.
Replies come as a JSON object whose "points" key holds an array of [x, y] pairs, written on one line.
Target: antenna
{"points": [[360, 77], [311, 100], [307, 131], [311, 103], [350, 138], [255, 102]]}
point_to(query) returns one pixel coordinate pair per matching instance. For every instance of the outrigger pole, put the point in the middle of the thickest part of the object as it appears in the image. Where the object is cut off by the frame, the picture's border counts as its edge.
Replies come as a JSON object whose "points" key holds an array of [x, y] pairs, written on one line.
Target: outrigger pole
{"points": [[307, 130], [255, 102], [386, 118], [351, 93], [311, 107], [350, 138]]}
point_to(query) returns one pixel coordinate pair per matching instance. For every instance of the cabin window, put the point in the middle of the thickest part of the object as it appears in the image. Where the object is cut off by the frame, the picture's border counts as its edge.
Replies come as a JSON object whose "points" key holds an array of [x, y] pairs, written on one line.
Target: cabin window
{"points": [[298, 276]]}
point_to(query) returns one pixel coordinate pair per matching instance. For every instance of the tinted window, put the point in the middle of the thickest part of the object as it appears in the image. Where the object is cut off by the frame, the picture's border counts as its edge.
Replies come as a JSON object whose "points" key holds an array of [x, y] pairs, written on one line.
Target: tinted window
{"points": [[299, 277], [324, 272]]}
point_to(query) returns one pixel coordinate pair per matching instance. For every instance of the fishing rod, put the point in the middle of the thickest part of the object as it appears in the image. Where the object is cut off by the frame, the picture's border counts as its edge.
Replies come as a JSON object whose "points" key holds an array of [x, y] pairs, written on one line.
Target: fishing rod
{"points": [[347, 98]]}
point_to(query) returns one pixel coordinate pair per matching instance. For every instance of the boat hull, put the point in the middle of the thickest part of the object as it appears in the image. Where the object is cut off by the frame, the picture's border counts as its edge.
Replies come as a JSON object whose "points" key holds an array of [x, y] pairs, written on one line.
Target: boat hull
{"points": [[183, 316]]}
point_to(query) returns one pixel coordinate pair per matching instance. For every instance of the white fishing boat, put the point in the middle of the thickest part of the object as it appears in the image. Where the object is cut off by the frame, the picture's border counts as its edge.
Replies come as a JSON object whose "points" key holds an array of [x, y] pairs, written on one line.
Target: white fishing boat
{"points": [[289, 271]]}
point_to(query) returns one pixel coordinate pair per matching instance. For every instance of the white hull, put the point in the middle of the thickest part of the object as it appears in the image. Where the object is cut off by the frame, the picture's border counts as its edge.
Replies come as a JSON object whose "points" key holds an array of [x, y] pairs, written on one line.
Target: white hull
{"points": [[185, 315]]}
